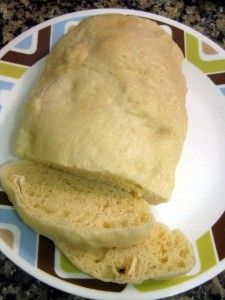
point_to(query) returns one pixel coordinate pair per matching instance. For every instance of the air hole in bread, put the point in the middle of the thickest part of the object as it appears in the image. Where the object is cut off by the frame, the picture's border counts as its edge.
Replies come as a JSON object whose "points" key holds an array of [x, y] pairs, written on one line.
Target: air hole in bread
{"points": [[144, 217], [163, 131], [161, 234], [49, 211], [107, 225], [152, 267], [181, 264], [106, 205], [36, 205], [164, 259], [124, 223], [121, 270], [66, 213], [183, 252], [133, 193]]}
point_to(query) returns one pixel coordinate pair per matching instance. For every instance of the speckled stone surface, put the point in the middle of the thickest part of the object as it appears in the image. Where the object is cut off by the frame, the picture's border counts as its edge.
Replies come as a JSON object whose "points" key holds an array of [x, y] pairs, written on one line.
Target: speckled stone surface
{"points": [[208, 17]]}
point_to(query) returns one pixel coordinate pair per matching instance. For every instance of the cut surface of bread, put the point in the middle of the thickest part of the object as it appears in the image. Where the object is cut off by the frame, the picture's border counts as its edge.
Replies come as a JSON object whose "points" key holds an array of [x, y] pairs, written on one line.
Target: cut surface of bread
{"points": [[163, 254], [110, 106], [61, 205]]}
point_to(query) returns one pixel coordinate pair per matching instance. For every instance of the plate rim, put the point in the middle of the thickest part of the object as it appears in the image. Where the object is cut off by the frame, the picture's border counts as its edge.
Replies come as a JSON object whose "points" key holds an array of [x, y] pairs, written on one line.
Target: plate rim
{"points": [[102, 295]]}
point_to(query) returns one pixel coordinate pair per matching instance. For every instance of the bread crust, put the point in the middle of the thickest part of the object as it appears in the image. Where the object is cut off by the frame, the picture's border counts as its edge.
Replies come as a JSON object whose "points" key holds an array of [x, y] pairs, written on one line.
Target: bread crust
{"points": [[110, 104]]}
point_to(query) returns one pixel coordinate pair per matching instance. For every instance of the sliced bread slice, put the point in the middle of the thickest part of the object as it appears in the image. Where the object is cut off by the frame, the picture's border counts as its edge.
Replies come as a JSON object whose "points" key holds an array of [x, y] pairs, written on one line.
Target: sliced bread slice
{"points": [[61, 205], [163, 254]]}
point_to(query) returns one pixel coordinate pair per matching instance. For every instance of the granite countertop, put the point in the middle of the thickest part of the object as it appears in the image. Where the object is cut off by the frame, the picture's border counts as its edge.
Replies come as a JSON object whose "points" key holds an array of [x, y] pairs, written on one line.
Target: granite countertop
{"points": [[208, 17]]}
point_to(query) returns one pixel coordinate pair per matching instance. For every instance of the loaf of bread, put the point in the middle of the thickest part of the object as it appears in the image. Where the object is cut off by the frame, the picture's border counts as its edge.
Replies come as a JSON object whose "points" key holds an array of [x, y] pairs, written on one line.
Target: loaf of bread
{"points": [[163, 254], [61, 205], [110, 106]]}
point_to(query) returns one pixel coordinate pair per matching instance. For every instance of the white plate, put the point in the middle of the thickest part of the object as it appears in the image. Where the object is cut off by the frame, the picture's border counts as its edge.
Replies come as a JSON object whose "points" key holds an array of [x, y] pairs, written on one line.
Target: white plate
{"points": [[197, 204]]}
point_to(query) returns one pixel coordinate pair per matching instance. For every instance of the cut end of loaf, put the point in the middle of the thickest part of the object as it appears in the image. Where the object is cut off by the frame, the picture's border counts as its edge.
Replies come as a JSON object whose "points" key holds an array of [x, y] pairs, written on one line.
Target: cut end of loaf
{"points": [[111, 180], [55, 193], [56, 203]]}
